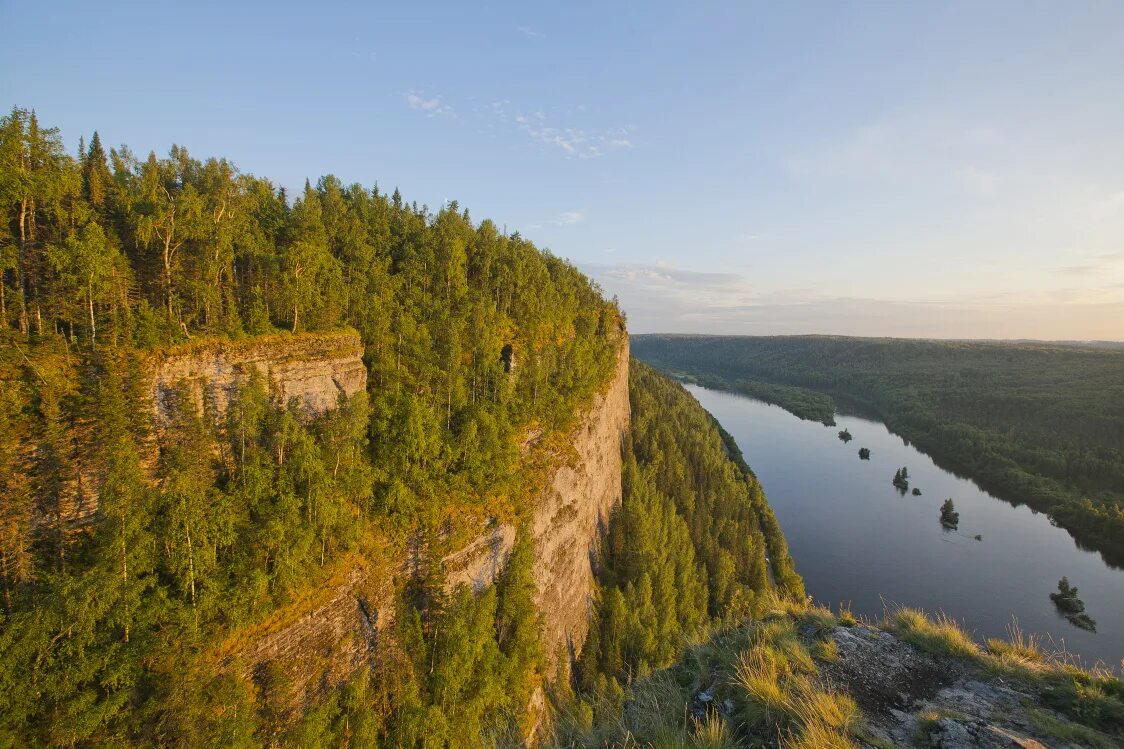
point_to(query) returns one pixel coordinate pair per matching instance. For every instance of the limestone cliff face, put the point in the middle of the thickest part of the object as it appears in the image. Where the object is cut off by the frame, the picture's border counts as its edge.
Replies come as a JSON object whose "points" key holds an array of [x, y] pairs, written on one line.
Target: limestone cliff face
{"points": [[325, 644], [314, 367], [331, 638], [570, 515]]}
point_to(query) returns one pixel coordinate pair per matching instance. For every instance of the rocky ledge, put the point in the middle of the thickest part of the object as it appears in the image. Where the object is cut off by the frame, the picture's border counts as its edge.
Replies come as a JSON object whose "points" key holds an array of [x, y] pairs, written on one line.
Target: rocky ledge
{"points": [[314, 368], [911, 697]]}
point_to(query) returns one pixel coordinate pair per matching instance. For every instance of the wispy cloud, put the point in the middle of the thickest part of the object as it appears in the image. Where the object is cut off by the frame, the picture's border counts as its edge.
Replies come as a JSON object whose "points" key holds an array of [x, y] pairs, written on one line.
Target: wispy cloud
{"points": [[575, 142], [565, 218], [432, 105], [1104, 264], [659, 297], [530, 33]]}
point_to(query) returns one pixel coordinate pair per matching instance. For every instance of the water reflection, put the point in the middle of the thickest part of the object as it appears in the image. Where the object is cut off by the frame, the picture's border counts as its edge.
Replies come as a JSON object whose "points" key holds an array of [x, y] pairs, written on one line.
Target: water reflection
{"points": [[857, 537]]}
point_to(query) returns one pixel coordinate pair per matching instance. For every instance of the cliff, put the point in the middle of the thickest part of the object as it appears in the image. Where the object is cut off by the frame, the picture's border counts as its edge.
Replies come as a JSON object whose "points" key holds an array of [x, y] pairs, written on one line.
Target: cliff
{"points": [[315, 368], [570, 514], [322, 641]]}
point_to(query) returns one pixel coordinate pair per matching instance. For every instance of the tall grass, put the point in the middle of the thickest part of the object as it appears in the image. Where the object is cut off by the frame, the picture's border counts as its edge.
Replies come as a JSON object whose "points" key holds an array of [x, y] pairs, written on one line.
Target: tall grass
{"points": [[780, 696], [939, 634]]}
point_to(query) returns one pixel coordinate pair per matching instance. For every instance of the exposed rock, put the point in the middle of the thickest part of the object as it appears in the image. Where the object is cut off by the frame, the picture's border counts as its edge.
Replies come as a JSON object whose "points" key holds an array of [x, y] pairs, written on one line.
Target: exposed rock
{"points": [[909, 697], [570, 515], [321, 647], [573, 513], [314, 368]]}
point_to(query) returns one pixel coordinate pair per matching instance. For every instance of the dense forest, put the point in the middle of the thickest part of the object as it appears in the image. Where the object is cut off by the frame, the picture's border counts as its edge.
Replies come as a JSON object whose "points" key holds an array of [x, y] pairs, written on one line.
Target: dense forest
{"points": [[1038, 424], [112, 619]]}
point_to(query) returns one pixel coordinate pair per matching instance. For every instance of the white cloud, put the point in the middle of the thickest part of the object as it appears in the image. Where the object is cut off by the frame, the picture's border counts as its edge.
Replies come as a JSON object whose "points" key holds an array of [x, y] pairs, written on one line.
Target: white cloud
{"points": [[432, 106], [565, 218], [530, 33], [575, 142]]}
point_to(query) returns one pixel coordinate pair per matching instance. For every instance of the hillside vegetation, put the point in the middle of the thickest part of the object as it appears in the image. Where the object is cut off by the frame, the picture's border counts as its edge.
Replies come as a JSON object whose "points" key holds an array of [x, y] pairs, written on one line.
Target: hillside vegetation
{"points": [[694, 545], [1034, 423], [134, 560]]}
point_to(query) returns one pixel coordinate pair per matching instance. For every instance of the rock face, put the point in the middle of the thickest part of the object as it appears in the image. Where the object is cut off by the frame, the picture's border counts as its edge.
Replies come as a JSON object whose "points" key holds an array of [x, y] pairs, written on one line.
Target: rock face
{"points": [[314, 368], [325, 644], [570, 515], [909, 697]]}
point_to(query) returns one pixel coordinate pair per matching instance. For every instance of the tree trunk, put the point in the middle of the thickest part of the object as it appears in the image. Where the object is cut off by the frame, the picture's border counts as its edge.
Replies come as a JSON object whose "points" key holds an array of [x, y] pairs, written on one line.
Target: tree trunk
{"points": [[125, 576], [93, 324], [168, 272], [21, 281], [190, 558]]}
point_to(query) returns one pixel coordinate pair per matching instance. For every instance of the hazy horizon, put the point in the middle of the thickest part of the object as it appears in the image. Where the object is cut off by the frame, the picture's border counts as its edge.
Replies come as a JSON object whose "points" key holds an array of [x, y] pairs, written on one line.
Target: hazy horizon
{"points": [[1089, 342], [939, 171]]}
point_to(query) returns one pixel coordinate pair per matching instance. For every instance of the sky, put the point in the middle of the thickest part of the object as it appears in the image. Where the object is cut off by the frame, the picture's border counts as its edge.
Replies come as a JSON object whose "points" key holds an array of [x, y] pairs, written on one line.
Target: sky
{"points": [[938, 169]]}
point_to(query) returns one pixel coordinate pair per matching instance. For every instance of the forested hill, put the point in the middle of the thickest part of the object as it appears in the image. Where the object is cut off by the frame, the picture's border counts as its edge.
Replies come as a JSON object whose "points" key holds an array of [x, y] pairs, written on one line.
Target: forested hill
{"points": [[198, 534], [1034, 423]]}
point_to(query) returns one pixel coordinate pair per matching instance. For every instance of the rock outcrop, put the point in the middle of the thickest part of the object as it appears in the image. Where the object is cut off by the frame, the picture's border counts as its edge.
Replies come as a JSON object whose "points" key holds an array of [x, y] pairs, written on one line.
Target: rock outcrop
{"points": [[569, 517], [323, 645], [313, 367], [912, 697]]}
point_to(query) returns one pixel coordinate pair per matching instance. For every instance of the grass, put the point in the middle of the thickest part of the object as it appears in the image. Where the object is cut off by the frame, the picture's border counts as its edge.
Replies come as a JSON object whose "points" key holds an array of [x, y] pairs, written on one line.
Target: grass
{"points": [[711, 733], [779, 695], [1018, 652], [1094, 700], [1072, 733], [940, 634]]}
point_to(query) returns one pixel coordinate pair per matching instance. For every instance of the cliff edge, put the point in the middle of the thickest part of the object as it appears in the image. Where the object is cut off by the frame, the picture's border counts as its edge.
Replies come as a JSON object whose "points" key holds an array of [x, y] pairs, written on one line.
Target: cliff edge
{"points": [[321, 642]]}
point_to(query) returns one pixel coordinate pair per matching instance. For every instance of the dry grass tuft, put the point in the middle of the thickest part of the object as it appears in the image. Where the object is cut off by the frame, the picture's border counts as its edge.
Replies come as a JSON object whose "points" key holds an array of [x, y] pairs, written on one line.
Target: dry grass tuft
{"points": [[711, 733], [941, 634]]}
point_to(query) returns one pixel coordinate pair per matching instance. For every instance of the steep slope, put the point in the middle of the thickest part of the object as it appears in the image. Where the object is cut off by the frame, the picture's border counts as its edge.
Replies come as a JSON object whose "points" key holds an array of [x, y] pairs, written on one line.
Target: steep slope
{"points": [[281, 529], [570, 515], [321, 642]]}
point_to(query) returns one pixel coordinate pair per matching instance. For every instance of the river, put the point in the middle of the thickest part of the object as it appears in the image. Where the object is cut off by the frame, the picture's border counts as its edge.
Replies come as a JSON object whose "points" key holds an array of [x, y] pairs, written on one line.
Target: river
{"points": [[857, 539]]}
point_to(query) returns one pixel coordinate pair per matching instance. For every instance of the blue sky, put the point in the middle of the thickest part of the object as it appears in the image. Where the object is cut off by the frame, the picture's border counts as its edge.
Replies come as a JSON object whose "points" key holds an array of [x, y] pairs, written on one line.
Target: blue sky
{"points": [[915, 169]]}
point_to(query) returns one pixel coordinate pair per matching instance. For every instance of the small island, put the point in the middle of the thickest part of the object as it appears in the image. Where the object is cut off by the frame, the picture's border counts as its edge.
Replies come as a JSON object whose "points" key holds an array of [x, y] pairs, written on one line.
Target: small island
{"points": [[901, 480], [950, 518], [916, 492], [1072, 607], [864, 453], [845, 435]]}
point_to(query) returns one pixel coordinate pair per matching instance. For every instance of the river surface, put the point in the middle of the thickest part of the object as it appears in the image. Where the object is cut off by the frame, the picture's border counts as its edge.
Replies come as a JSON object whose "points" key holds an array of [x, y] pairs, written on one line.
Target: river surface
{"points": [[857, 539]]}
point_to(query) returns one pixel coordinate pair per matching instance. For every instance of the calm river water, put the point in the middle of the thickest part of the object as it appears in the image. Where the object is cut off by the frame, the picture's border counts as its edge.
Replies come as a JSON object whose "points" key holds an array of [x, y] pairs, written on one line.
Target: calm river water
{"points": [[855, 538]]}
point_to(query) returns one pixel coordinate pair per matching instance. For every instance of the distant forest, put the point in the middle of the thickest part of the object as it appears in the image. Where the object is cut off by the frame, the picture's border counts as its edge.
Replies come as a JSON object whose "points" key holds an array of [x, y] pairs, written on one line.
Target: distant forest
{"points": [[1038, 424]]}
